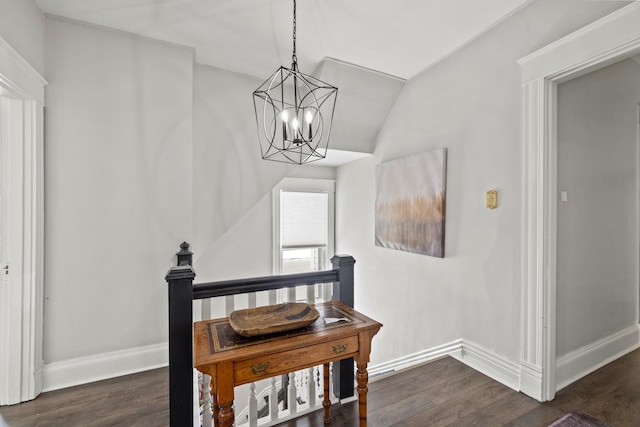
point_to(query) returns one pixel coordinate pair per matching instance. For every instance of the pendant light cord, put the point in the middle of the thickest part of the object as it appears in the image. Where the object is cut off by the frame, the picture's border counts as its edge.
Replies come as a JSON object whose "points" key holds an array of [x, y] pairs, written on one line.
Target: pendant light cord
{"points": [[294, 58]]}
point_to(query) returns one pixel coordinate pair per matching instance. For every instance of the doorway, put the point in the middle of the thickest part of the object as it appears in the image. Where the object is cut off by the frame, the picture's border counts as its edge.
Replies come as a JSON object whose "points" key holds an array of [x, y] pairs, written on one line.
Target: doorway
{"points": [[21, 228], [606, 41], [597, 219]]}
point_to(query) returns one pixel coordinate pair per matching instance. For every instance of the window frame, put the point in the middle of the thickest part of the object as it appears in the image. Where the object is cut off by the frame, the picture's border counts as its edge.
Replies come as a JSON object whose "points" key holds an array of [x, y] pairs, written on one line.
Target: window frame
{"points": [[302, 185]]}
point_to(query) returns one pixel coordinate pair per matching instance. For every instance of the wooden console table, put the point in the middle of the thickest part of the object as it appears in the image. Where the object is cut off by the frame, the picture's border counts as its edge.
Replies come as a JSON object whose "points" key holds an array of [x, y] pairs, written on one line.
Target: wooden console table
{"points": [[232, 360]]}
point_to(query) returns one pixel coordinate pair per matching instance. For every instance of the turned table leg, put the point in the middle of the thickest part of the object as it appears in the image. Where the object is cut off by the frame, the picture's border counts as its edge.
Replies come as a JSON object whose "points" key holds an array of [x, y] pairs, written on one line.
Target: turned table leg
{"points": [[213, 383], [224, 391], [362, 377], [326, 400], [227, 416], [216, 408]]}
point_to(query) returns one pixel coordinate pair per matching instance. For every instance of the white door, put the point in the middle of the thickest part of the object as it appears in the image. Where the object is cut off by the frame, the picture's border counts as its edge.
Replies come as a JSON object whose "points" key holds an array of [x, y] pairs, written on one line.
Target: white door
{"points": [[10, 292], [21, 244]]}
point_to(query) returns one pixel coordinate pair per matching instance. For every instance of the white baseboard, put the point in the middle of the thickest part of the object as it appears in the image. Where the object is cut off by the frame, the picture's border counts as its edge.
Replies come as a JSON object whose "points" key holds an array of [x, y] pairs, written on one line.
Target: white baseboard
{"points": [[570, 367], [469, 353], [414, 359], [531, 380], [585, 360], [490, 364], [98, 367]]}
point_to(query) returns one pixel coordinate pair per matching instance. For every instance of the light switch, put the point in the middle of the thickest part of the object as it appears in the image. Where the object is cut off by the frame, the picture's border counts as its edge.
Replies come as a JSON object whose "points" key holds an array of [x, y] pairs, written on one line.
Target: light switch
{"points": [[492, 199], [563, 196]]}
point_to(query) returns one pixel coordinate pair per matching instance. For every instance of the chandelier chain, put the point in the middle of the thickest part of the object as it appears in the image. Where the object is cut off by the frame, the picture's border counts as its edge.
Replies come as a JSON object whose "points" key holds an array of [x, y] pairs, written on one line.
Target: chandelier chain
{"points": [[294, 113], [294, 58]]}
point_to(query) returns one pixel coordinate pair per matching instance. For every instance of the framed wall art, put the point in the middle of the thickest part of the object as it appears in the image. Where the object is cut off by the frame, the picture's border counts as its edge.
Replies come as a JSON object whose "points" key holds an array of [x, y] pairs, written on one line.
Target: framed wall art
{"points": [[410, 203]]}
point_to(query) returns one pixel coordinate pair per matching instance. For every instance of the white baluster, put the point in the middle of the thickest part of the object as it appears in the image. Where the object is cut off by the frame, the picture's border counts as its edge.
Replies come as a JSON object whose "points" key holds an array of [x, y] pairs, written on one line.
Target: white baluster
{"points": [[273, 297], [305, 383], [229, 304], [311, 294], [301, 377], [327, 290], [311, 388], [273, 400], [331, 367], [206, 397], [253, 406], [198, 309], [253, 402], [293, 401], [291, 294], [205, 308]]}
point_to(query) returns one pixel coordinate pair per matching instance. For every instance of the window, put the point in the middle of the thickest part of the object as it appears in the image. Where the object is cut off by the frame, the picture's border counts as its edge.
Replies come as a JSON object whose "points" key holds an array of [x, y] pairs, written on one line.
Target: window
{"points": [[303, 231], [303, 226]]}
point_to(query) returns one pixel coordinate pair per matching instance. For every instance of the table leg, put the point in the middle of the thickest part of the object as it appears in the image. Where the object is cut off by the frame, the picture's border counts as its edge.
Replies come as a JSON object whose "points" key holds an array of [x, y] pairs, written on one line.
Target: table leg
{"points": [[216, 408], [326, 400], [224, 391], [227, 416], [362, 377]]}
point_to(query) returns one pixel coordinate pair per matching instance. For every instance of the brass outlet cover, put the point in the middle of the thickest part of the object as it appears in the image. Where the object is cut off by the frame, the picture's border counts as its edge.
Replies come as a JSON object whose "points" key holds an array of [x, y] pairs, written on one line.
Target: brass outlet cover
{"points": [[492, 199]]}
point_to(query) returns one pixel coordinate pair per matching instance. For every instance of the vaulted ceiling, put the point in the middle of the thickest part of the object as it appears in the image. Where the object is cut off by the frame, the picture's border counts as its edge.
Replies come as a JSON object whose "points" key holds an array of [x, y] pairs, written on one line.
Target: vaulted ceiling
{"points": [[352, 44], [397, 37]]}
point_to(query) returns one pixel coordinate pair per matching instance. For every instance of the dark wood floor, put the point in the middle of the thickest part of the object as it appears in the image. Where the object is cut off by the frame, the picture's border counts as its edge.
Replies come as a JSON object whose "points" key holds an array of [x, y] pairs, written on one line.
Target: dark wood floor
{"points": [[441, 393]]}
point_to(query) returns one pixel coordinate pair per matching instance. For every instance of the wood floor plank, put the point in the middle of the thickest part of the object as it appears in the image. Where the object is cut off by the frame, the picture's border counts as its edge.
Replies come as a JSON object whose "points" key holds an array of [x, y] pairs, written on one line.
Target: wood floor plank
{"points": [[420, 381], [499, 412], [399, 411], [442, 393], [542, 415], [451, 389], [428, 369], [463, 405], [132, 400]]}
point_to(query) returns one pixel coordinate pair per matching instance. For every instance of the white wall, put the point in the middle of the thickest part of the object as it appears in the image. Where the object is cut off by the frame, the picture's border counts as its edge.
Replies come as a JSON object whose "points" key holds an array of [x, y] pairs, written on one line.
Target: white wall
{"points": [[22, 26], [229, 174], [597, 270], [232, 184], [118, 160], [470, 103], [144, 151]]}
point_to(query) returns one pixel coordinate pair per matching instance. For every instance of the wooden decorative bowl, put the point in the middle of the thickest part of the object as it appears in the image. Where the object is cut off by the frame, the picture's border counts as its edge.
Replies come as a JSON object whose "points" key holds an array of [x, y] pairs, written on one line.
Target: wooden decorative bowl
{"points": [[272, 319]]}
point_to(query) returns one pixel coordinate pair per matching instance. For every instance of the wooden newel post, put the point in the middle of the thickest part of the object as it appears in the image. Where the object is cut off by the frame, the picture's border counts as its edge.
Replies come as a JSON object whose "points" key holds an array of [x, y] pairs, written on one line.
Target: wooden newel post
{"points": [[343, 292], [180, 280]]}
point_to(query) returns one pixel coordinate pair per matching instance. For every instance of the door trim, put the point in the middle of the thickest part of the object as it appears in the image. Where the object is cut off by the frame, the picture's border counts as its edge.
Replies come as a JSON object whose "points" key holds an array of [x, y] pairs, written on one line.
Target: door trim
{"points": [[21, 142], [608, 40]]}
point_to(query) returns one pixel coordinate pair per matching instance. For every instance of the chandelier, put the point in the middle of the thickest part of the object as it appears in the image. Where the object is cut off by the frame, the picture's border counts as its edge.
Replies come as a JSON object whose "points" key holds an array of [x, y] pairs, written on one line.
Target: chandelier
{"points": [[294, 113]]}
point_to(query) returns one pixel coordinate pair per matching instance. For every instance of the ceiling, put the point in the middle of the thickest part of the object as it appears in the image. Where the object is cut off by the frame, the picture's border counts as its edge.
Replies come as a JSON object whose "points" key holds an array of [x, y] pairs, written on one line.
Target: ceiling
{"points": [[254, 37]]}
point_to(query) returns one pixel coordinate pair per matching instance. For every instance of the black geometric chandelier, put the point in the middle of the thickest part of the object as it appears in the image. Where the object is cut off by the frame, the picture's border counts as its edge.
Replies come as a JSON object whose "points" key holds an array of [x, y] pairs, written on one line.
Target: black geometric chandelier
{"points": [[294, 113]]}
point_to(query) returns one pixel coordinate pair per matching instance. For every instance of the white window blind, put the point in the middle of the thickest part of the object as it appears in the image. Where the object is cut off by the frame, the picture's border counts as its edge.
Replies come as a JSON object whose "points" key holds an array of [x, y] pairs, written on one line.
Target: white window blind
{"points": [[304, 219]]}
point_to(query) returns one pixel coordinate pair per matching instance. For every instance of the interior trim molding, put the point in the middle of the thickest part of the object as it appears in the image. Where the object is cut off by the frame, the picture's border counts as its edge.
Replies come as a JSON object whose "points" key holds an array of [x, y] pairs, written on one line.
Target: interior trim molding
{"points": [[98, 367], [595, 45], [585, 360], [22, 287], [449, 349], [530, 379], [490, 363], [475, 356], [19, 75], [611, 38]]}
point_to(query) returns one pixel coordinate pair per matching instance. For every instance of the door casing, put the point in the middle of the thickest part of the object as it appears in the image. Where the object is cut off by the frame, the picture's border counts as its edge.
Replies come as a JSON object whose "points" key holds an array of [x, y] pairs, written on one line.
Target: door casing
{"points": [[610, 39]]}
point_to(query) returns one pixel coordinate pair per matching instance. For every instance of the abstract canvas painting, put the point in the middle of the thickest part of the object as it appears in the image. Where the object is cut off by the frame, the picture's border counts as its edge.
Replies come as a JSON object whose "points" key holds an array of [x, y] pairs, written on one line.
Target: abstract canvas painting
{"points": [[410, 203]]}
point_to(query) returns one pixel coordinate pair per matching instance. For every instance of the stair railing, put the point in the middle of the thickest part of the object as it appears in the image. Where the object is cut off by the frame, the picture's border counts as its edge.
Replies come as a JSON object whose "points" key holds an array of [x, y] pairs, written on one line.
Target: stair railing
{"points": [[184, 294]]}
